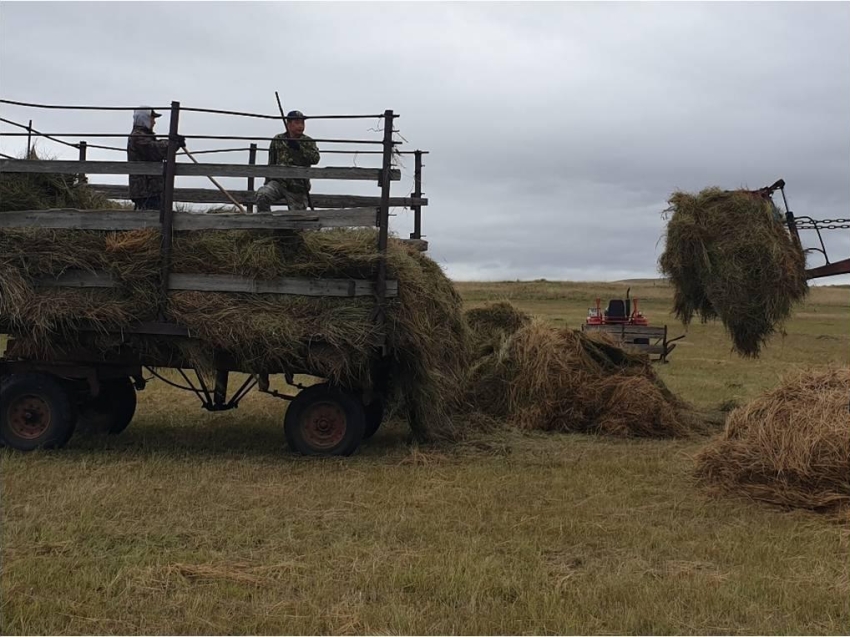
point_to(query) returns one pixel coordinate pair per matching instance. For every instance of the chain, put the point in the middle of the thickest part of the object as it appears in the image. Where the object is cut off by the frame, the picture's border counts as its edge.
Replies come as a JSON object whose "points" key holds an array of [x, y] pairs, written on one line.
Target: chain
{"points": [[824, 224]]}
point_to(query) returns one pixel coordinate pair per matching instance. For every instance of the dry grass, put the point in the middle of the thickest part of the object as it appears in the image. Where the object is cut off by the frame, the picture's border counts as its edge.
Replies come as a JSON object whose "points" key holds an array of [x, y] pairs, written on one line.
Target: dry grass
{"points": [[790, 446], [328, 337], [559, 379], [728, 256], [202, 523]]}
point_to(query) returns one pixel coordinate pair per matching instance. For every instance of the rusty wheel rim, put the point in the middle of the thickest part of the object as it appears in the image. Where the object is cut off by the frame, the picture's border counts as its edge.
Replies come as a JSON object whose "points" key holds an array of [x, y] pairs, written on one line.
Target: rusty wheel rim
{"points": [[323, 425], [28, 416]]}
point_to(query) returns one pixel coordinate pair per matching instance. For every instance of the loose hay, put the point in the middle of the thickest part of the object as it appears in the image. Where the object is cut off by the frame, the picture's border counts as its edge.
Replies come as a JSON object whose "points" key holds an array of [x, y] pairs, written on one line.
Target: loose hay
{"points": [[491, 324], [790, 446], [33, 191], [445, 369], [728, 255], [558, 379], [427, 337]]}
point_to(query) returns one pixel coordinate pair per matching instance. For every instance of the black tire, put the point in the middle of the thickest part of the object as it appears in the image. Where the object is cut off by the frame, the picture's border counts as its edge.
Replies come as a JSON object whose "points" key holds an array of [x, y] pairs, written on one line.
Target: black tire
{"points": [[374, 413], [37, 412], [113, 409], [324, 420]]}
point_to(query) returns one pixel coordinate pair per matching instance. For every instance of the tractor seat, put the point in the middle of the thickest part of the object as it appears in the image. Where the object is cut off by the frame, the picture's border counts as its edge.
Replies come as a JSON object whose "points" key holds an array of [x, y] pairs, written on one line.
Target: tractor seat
{"points": [[616, 309]]}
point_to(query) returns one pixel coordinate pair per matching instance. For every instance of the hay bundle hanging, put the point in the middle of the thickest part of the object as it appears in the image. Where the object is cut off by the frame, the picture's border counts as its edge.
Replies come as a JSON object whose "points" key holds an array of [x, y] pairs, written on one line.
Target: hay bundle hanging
{"points": [[558, 379], [729, 255], [790, 446], [427, 337]]}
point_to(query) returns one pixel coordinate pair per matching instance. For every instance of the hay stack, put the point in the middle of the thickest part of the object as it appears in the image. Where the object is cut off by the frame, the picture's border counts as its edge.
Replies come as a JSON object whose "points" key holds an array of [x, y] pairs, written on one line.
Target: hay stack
{"points": [[552, 379], [492, 324], [790, 446], [427, 336], [31, 191], [729, 255]]}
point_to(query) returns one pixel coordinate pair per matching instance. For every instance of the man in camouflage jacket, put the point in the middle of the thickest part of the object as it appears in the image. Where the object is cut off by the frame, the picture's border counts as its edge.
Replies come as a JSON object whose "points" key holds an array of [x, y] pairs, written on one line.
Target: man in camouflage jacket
{"points": [[142, 145], [292, 148]]}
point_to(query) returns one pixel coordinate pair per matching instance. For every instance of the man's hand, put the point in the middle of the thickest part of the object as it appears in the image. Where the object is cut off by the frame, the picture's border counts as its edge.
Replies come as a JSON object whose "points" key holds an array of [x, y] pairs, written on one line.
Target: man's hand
{"points": [[181, 141]]}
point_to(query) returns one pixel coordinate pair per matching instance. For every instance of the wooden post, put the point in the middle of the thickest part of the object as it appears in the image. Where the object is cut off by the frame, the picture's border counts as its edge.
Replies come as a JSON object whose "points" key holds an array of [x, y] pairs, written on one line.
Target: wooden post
{"points": [[166, 213], [252, 160], [417, 192], [83, 146], [384, 215], [29, 139], [220, 391]]}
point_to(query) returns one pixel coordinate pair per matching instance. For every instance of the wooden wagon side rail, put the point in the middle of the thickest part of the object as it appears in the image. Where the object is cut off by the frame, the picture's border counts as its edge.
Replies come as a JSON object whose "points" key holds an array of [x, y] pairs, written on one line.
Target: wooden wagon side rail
{"points": [[134, 219], [212, 196], [229, 283], [55, 166], [351, 212]]}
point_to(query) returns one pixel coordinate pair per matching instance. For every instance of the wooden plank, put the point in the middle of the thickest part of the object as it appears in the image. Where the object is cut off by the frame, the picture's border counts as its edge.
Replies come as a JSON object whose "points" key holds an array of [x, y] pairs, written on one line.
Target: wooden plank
{"points": [[81, 219], [227, 283], [310, 220], [303, 287], [287, 172], [69, 218], [197, 170], [68, 167], [627, 330], [212, 195]]}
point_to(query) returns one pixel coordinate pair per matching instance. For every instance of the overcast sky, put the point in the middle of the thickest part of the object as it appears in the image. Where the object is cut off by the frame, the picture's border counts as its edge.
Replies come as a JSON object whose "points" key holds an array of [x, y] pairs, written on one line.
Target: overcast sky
{"points": [[557, 131]]}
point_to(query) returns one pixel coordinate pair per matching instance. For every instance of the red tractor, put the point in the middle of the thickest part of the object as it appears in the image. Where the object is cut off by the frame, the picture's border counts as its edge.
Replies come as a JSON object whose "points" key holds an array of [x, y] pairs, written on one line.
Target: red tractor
{"points": [[619, 312]]}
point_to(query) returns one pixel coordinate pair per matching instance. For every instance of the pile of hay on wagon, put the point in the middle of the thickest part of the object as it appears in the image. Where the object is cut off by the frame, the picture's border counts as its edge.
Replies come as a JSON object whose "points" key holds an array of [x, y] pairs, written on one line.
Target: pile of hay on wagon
{"points": [[790, 446], [426, 335], [729, 255], [538, 377]]}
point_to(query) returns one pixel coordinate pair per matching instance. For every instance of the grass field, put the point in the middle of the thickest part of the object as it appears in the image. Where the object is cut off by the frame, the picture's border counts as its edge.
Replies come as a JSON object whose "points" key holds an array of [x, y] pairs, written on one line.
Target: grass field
{"points": [[192, 522]]}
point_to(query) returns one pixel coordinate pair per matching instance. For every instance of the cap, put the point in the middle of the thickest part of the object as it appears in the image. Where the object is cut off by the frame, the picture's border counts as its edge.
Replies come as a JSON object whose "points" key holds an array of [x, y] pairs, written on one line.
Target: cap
{"points": [[295, 115], [146, 110]]}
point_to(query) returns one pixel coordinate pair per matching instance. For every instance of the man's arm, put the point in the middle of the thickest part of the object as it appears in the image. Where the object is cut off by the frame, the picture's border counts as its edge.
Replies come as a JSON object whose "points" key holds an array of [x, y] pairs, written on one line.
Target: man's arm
{"points": [[310, 151], [147, 148]]}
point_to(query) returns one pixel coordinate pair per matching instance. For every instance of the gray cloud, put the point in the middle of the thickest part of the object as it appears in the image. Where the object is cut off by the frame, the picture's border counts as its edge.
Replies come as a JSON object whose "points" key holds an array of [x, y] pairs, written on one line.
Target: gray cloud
{"points": [[557, 130]]}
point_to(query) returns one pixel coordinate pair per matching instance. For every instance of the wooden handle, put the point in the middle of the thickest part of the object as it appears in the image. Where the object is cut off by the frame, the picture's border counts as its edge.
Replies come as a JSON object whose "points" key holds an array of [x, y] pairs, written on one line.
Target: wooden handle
{"points": [[218, 185]]}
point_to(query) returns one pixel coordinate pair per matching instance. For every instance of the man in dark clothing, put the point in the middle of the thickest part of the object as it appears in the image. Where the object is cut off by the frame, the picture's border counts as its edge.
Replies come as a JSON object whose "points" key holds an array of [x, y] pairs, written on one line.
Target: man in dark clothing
{"points": [[142, 145], [292, 148]]}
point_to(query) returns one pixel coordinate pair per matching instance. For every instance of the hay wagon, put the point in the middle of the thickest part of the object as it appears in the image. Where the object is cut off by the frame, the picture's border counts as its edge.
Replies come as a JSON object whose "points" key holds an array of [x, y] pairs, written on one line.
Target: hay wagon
{"points": [[44, 395]]}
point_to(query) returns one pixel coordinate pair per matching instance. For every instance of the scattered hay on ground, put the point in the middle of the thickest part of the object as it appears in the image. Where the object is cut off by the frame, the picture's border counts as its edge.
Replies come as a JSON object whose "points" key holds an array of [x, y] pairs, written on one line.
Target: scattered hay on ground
{"points": [[790, 446], [558, 379], [728, 254]]}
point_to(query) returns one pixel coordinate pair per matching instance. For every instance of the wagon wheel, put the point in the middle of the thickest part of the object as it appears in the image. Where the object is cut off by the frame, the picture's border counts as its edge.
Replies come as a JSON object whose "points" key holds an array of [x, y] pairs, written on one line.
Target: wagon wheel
{"points": [[113, 409], [324, 420], [374, 412], [36, 412]]}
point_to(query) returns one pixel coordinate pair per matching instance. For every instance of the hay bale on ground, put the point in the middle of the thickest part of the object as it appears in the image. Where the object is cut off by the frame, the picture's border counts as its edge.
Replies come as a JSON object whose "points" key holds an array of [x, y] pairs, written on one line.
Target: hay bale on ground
{"points": [[790, 446], [729, 255], [558, 379], [491, 324]]}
